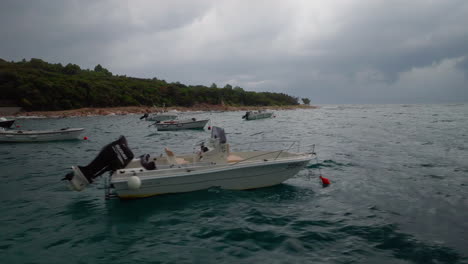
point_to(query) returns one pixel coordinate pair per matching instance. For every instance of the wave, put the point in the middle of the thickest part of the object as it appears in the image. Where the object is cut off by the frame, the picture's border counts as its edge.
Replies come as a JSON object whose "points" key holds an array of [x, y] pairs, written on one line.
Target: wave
{"points": [[329, 164], [403, 246]]}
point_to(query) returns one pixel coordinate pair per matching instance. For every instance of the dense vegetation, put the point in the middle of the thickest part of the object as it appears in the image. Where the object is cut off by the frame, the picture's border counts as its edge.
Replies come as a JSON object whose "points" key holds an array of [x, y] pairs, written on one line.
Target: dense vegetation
{"points": [[38, 85]]}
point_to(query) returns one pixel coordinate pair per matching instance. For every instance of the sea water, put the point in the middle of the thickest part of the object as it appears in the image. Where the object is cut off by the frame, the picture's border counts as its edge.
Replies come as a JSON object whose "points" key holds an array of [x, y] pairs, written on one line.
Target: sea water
{"points": [[399, 193]]}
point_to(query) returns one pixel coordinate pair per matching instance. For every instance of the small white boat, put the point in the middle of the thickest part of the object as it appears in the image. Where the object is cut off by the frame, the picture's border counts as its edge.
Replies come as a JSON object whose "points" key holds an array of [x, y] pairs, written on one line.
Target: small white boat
{"points": [[181, 124], [5, 123], [159, 117], [254, 115], [39, 135], [215, 165]]}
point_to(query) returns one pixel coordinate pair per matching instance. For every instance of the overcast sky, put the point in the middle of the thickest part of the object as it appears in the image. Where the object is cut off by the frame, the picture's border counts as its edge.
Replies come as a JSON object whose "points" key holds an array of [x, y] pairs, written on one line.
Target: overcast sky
{"points": [[333, 51]]}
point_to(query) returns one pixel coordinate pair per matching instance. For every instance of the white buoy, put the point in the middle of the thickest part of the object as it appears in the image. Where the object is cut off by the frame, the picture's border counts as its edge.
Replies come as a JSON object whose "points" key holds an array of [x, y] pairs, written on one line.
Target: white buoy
{"points": [[134, 183]]}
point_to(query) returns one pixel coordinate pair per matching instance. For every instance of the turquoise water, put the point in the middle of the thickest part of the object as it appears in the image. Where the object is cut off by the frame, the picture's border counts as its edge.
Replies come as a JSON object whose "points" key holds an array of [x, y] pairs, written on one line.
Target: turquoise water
{"points": [[398, 195]]}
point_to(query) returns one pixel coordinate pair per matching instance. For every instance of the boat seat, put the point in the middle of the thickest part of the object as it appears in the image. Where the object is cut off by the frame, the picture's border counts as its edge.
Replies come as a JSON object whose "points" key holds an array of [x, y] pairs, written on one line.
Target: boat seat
{"points": [[234, 158], [145, 163], [172, 159]]}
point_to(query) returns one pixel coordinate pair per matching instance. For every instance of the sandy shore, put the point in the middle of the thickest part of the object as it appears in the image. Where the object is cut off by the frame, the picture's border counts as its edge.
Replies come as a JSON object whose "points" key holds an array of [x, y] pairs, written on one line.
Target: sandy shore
{"points": [[146, 109]]}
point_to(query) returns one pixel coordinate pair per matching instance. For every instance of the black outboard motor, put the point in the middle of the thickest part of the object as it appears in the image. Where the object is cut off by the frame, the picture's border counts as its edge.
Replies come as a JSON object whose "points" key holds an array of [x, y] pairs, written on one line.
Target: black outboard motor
{"points": [[246, 116], [6, 123], [144, 116], [114, 156]]}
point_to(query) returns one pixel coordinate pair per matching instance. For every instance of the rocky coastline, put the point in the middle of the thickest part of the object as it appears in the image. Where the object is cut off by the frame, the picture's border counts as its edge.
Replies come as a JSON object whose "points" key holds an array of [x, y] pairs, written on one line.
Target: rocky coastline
{"points": [[91, 111]]}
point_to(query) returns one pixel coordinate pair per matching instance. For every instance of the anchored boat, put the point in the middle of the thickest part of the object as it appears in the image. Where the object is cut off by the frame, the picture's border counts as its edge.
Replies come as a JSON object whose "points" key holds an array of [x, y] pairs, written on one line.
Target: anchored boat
{"points": [[5, 123], [214, 165], [39, 135], [254, 115], [181, 124], [159, 117]]}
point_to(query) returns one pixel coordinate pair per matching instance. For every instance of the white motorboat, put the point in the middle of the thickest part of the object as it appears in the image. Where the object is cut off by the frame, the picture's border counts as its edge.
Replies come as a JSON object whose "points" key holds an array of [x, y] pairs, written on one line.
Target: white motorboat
{"points": [[159, 117], [215, 165], [5, 123], [254, 115], [39, 135], [181, 124]]}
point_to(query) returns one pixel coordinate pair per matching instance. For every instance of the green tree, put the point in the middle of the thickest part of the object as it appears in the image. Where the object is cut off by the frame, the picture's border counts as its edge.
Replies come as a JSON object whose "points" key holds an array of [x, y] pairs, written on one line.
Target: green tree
{"points": [[101, 69], [98, 68], [71, 69], [39, 85]]}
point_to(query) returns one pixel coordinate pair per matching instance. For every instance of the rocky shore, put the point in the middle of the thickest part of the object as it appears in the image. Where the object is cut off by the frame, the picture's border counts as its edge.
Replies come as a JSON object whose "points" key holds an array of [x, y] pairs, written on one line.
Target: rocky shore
{"points": [[145, 109]]}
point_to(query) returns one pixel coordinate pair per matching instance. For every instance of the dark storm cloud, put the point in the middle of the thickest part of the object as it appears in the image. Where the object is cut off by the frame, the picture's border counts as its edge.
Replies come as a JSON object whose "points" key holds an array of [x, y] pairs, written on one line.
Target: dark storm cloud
{"points": [[80, 32], [330, 51], [395, 36]]}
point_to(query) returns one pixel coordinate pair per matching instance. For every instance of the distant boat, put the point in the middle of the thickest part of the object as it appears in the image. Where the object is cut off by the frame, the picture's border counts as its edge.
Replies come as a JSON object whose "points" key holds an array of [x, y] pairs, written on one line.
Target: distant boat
{"points": [[254, 115], [158, 117], [39, 135], [5, 123], [181, 124]]}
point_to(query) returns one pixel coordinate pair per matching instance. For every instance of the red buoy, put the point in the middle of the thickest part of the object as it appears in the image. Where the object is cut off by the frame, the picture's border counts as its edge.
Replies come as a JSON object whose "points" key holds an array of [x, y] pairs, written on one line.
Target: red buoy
{"points": [[325, 181], [209, 127], [85, 138]]}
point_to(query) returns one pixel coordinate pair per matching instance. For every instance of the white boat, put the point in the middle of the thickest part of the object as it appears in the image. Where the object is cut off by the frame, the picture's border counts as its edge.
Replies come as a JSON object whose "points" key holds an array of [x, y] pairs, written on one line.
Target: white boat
{"points": [[5, 123], [215, 165], [181, 124], [159, 117], [260, 114], [39, 135]]}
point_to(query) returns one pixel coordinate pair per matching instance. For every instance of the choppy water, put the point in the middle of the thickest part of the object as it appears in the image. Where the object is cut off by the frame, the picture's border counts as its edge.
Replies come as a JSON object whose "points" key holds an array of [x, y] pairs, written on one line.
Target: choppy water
{"points": [[399, 194]]}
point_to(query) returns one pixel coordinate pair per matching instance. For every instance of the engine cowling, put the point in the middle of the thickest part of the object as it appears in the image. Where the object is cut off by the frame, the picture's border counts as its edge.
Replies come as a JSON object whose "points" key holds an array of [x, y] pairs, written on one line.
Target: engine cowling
{"points": [[112, 157]]}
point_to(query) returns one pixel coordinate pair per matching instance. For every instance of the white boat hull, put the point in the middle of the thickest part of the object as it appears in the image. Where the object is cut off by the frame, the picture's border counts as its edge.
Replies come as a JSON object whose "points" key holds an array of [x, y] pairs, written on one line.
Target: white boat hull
{"points": [[255, 116], [39, 136], [161, 117], [178, 125], [212, 165], [234, 177]]}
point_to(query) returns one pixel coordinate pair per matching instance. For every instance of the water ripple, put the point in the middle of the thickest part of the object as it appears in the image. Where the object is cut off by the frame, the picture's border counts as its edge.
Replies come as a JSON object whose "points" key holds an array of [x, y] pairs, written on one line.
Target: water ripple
{"points": [[398, 194]]}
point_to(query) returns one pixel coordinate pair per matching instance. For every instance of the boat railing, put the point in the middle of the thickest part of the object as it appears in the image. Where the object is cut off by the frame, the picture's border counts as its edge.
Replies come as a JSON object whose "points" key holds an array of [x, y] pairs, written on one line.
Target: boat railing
{"points": [[311, 148], [259, 155], [287, 145], [290, 145]]}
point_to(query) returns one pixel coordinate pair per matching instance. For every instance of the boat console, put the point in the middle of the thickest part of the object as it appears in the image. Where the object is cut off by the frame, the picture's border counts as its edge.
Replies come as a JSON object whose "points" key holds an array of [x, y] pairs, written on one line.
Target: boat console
{"points": [[146, 163]]}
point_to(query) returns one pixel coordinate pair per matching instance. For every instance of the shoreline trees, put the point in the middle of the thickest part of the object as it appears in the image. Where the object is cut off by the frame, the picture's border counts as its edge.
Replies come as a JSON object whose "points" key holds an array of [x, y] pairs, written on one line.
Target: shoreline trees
{"points": [[38, 85]]}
